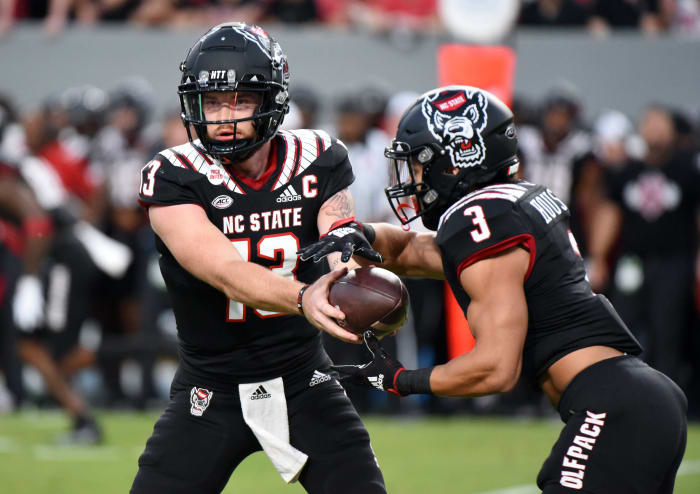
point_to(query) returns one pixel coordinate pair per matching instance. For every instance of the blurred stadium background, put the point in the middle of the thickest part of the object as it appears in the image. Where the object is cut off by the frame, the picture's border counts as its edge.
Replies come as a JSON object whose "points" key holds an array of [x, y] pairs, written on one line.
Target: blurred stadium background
{"points": [[88, 95]]}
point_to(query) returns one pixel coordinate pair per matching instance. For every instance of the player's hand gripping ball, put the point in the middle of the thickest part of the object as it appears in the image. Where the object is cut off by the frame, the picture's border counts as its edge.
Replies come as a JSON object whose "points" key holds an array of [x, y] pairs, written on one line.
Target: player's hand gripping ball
{"points": [[371, 298]]}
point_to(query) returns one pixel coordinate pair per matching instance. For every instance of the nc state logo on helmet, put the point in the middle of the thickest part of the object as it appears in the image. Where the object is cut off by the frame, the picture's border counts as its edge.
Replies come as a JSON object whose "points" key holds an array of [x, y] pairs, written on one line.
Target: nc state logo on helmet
{"points": [[234, 57], [456, 118], [459, 136]]}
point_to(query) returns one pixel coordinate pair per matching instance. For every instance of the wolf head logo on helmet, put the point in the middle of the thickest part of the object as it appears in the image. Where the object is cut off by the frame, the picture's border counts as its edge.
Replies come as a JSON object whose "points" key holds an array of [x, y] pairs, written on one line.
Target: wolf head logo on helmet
{"points": [[457, 119], [459, 137]]}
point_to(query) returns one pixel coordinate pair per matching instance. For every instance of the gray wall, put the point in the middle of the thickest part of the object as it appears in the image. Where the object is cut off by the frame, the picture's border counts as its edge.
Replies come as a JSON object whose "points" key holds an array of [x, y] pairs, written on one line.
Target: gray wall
{"points": [[623, 72]]}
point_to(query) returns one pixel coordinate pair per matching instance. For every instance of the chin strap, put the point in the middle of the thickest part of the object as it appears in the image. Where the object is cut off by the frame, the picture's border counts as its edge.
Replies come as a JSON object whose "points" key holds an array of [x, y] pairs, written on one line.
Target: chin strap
{"points": [[230, 158]]}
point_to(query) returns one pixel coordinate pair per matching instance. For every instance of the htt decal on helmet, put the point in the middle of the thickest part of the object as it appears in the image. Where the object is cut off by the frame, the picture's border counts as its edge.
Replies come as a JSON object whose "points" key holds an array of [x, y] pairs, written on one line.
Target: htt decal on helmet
{"points": [[200, 399], [457, 117]]}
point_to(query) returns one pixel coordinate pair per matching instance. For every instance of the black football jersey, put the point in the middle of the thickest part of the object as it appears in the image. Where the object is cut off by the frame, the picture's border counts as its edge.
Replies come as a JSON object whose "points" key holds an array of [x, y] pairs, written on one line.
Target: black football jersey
{"points": [[223, 339], [564, 313]]}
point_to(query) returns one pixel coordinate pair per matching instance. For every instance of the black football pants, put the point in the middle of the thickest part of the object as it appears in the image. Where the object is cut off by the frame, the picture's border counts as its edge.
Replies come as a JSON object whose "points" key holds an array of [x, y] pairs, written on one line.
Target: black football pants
{"points": [[191, 454], [625, 432]]}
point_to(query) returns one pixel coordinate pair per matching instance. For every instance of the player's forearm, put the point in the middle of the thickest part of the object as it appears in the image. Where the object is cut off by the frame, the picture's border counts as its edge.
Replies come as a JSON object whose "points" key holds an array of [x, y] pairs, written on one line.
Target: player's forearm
{"points": [[201, 249], [498, 318], [472, 375], [354, 262], [257, 286], [408, 253]]}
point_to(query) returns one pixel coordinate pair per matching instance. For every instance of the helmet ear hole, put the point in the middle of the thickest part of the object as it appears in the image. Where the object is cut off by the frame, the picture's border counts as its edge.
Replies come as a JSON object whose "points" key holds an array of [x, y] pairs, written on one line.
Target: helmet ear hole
{"points": [[450, 170]]}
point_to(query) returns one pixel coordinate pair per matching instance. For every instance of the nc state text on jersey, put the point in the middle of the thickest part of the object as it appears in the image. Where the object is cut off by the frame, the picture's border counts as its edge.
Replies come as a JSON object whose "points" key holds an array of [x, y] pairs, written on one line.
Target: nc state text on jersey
{"points": [[266, 220]]}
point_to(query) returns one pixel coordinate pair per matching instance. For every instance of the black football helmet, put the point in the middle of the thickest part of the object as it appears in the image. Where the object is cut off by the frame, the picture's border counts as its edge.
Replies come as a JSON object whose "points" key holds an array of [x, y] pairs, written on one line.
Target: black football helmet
{"points": [[461, 136], [85, 107], [234, 57]]}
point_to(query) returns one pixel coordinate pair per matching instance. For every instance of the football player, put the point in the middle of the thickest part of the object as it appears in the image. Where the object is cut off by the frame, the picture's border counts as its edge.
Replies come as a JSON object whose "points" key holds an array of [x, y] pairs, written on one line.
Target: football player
{"points": [[230, 208], [29, 264], [505, 248]]}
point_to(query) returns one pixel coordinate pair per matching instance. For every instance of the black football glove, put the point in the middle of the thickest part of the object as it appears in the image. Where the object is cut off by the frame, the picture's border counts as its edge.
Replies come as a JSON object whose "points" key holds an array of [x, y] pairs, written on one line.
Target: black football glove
{"points": [[380, 373], [346, 236]]}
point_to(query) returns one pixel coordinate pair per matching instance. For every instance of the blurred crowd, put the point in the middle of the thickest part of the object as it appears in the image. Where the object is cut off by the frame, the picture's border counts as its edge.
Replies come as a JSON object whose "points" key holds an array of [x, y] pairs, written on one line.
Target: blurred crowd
{"points": [[382, 16], [84, 317]]}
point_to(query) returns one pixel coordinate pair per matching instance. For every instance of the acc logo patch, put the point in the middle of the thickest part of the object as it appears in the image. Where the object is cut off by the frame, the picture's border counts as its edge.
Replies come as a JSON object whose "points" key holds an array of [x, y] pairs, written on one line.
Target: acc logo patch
{"points": [[456, 118], [222, 202], [200, 399]]}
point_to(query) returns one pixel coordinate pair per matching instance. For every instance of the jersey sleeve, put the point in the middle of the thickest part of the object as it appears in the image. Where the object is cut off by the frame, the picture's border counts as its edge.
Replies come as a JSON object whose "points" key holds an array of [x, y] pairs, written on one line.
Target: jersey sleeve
{"points": [[337, 169], [481, 229], [164, 184]]}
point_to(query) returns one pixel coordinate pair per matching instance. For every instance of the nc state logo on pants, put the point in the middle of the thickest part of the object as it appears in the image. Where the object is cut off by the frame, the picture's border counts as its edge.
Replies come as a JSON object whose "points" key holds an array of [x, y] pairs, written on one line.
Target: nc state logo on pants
{"points": [[200, 399]]}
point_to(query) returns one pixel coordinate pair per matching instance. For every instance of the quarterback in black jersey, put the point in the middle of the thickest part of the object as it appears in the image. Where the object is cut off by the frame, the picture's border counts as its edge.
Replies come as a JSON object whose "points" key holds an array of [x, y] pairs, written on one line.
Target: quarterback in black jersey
{"points": [[505, 248], [230, 210]]}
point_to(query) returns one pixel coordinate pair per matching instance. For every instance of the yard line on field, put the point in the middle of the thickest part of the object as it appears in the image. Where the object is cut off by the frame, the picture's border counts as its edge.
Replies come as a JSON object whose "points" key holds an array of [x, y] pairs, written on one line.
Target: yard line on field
{"points": [[688, 467], [45, 452]]}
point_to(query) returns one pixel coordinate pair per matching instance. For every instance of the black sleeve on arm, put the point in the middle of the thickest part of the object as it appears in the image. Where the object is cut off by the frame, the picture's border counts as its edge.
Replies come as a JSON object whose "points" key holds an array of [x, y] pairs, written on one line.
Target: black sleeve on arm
{"points": [[165, 184], [464, 241], [337, 169]]}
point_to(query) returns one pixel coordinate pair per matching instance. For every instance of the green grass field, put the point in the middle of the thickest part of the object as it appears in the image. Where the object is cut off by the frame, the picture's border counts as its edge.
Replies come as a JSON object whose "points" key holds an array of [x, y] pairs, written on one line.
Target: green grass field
{"points": [[446, 456]]}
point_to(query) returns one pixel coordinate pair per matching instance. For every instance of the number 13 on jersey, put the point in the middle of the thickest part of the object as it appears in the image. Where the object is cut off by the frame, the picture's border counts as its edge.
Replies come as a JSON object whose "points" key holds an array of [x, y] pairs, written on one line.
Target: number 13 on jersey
{"points": [[272, 247], [148, 185]]}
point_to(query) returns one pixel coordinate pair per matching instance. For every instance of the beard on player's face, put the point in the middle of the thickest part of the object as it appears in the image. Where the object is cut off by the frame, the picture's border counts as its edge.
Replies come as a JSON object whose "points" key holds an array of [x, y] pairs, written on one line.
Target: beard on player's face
{"points": [[227, 132]]}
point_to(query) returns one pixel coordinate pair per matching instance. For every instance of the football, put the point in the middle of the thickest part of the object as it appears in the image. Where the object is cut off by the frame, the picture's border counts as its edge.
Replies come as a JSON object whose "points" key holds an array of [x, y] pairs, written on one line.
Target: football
{"points": [[371, 298]]}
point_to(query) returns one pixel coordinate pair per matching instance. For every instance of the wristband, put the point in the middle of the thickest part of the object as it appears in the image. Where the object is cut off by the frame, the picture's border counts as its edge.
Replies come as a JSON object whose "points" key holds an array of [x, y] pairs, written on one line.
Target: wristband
{"points": [[366, 228], [338, 224], [299, 298], [417, 381]]}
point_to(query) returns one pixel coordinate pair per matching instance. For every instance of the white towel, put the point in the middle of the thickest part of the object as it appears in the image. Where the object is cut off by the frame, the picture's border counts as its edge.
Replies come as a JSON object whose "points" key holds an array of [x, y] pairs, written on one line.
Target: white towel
{"points": [[265, 411]]}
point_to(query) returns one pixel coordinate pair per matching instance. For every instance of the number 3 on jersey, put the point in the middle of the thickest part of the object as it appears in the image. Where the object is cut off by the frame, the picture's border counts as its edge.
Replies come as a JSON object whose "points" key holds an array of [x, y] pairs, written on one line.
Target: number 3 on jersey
{"points": [[268, 247], [481, 232]]}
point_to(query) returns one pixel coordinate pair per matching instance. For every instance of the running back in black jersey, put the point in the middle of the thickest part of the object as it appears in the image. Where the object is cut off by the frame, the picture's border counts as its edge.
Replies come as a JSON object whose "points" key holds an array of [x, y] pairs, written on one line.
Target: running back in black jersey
{"points": [[564, 313], [221, 339]]}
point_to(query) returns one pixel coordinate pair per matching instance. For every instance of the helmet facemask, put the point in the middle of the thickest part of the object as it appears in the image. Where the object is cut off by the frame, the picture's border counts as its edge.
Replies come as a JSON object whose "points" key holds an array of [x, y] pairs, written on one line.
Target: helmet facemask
{"points": [[234, 58], [265, 120], [409, 198]]}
